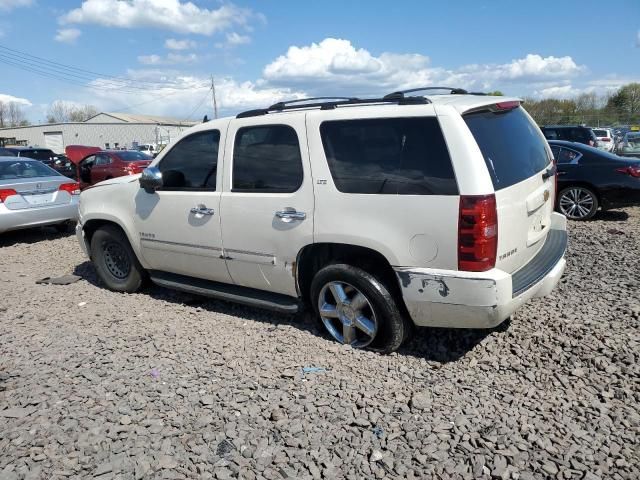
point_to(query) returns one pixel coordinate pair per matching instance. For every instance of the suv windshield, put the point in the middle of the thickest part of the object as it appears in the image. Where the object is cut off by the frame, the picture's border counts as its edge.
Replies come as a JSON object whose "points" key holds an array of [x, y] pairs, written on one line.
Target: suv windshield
{"points": [[25, 169], [601, 133], [511, 144], [133, 156]]}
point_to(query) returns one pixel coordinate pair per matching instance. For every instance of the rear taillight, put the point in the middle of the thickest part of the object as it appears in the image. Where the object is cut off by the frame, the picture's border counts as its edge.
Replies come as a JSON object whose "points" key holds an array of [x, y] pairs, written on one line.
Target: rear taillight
{"points": [[634, 171], [71, 188], [133, 169], [5, 193], [477, 233]]}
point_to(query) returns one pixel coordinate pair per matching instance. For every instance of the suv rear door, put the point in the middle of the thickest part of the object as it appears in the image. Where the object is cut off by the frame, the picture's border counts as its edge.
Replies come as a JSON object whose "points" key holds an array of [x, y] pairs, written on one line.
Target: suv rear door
{"points": [[519, 162]]}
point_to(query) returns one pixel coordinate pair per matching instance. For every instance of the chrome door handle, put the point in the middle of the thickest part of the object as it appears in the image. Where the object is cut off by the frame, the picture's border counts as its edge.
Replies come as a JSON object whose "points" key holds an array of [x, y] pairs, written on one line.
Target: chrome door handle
{"points": [[201, 210], [290, 214]]}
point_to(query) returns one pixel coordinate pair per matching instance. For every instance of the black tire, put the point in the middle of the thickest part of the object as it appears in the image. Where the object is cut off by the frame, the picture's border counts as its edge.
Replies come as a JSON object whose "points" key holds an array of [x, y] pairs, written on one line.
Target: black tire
{"points": [[392, 327], [569, 202], [114, 259]]}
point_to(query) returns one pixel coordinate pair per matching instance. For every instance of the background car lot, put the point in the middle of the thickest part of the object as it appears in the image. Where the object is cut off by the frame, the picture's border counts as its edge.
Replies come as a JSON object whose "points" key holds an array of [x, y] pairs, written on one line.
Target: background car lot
{"points": [[170, 385]]}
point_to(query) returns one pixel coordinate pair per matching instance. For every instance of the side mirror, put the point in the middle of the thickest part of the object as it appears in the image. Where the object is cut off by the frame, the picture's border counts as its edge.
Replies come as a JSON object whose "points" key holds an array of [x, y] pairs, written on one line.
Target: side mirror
{"points": [[151, 179]]}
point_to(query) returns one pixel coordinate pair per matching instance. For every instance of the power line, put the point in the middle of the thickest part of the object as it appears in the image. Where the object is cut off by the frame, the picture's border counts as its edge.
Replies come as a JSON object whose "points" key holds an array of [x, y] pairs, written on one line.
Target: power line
{"points": [[199, 104], [17, 55], [64, 79]]}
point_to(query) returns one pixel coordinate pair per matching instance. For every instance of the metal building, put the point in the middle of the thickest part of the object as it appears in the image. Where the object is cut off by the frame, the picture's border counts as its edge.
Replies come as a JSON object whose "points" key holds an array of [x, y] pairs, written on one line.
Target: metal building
{"points": [[104, 130]]}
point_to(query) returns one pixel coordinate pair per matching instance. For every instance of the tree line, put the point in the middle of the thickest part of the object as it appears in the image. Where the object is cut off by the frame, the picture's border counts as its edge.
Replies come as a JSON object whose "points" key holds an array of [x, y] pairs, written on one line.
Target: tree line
{"points": [[12, 113], [621, 107]]}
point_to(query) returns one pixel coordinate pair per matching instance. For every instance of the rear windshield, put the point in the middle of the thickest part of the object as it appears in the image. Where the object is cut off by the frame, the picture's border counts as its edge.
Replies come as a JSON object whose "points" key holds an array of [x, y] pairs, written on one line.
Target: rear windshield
{"points": [[511, 144], [601, 133], [389, 156], [25, 169], [132, 156]]}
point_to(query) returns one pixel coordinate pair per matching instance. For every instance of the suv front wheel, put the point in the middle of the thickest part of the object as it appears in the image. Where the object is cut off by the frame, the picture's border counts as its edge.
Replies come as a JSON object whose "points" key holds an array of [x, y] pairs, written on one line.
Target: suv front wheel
{"points": [[115, 261], [357, 309]]}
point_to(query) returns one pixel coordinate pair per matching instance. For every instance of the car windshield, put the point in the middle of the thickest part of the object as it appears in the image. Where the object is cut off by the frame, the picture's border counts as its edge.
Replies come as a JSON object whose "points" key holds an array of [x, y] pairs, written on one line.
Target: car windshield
{"points": [[25, 169], [601, 133], [133, 156]]}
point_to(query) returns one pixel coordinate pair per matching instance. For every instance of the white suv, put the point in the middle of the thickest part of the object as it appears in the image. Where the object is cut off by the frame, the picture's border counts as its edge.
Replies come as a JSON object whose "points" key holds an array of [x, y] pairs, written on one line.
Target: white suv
{"points": [[606, 139], [380, 213]]}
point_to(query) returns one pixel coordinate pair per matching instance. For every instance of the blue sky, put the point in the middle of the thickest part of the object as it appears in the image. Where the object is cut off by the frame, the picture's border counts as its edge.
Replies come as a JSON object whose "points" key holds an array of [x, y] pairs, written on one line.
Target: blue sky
{"points": [[157, 56]]}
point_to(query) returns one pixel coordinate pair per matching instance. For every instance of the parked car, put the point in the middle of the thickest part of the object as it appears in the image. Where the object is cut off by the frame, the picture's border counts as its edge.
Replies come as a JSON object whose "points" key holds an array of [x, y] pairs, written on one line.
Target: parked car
{"points": [[59, 162], [6, 152], [606, 139], [33, 194], [589, 178], [433, 211], [45, 155], [148, 148], [571, 133], [95, 165], [629, 146]]}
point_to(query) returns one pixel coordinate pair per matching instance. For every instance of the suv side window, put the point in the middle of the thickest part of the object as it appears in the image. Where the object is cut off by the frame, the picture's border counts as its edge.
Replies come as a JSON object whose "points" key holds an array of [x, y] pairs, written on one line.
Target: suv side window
{"points": [[550, 134], [192, 162], [389, 156], [267, 159]]}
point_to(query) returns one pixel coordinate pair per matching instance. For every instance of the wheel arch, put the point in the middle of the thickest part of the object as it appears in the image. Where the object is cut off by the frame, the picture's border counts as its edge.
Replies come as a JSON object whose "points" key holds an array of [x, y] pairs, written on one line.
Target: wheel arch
{"points": [[313, 257], [579, 183], [90, 226]]}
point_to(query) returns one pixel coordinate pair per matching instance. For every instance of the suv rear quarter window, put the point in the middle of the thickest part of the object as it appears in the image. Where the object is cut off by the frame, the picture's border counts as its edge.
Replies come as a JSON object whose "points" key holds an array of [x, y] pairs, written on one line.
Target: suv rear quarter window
{"points": [[389, 156], [511, 144]]}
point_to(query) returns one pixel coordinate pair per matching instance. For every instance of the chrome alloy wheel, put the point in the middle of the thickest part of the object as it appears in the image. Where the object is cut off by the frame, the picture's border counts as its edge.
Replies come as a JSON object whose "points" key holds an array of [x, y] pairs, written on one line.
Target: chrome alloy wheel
{"points": [[116, 260], [576, 203], [347, 314]]}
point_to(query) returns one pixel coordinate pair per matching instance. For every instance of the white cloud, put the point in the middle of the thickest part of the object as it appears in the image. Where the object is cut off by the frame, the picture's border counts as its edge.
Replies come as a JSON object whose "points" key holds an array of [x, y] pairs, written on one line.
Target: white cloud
{"points": [[170, 59], [235, 38], [67, 35], [181, 93], [7, 5], [337, 63], [5, 98], [173, 15], [173, 44]]}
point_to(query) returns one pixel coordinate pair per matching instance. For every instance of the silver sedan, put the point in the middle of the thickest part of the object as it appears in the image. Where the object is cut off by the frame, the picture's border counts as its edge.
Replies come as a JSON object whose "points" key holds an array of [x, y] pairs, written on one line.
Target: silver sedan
{"points": [[33, 194]]}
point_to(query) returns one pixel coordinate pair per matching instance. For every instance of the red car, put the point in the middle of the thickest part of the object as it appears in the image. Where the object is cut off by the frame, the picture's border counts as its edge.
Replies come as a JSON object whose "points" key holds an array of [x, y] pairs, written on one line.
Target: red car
{"points": [[95, 165]]}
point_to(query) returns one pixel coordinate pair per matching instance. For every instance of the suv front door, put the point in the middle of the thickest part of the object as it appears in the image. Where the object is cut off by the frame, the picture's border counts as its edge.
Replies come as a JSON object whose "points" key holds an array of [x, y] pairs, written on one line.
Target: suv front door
{"points": [[267, 203], [179, 224]]}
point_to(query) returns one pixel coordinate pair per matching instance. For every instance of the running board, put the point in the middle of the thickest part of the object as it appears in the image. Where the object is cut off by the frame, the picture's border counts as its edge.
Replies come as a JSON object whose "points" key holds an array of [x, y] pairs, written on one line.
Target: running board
{"points": [[223, 291]]}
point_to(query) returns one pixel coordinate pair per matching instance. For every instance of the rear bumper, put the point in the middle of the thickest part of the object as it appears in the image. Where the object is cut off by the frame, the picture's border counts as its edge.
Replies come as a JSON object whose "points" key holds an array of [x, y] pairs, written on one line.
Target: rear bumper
{"points": [[36, 217], [455, 299]]}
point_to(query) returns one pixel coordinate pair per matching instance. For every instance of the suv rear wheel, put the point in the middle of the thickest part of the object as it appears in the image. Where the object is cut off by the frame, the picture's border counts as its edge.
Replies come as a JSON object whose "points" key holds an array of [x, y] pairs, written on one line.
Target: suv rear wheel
{"points": [[578, 203], [115, 261], [357, 309]]}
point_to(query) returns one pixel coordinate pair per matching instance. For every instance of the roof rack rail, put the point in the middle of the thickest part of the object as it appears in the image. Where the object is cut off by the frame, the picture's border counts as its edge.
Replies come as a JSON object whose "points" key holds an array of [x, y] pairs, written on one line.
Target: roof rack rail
{"points": [[401, 93], [281, 105], [328, 105]]}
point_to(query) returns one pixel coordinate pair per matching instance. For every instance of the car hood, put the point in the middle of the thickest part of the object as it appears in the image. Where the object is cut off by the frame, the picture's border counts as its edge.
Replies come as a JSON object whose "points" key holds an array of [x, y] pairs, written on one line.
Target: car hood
{"points": [[117, 181], [76, 153]]}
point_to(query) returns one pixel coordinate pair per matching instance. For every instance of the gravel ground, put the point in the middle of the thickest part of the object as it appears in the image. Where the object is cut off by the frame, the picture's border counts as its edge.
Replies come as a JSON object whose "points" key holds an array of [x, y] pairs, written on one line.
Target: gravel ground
{"points": [[167, 385]]}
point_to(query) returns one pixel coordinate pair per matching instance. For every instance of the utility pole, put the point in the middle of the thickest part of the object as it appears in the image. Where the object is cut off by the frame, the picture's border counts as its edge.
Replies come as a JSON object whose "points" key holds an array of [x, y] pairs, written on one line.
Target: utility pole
{"points": [[215, 101]]}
